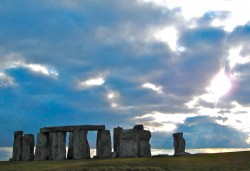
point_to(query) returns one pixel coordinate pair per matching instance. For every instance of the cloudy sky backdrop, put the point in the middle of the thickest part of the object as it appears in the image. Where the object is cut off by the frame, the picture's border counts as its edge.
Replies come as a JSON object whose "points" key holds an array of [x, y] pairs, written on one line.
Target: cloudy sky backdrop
{"points": [[170, 65]]}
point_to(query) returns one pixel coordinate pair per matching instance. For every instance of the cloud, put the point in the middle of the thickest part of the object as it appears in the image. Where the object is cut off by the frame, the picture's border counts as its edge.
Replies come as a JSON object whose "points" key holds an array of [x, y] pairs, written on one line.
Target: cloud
{"points": [[153, 87]]}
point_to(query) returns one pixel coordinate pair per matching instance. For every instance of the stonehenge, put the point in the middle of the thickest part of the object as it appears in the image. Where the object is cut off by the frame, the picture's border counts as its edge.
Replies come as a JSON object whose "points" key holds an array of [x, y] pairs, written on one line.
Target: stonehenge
{"points": [[179, 144], [23, 147], [51, 143]]}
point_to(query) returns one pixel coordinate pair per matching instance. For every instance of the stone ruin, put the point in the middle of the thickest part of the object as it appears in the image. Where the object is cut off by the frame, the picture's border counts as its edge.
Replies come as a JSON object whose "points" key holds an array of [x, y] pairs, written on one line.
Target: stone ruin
{"points": [[132, 143], [51, 143], [23, 147], [179, 144]]}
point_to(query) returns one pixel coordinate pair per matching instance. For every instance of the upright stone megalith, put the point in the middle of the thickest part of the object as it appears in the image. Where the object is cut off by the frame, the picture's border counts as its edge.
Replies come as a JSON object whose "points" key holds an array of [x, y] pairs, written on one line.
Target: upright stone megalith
{"points": [[144, 145], [179, 143], [58, 145], [17, 146], [116, 140], [135, 142], [103, 144], [78, 147], [43, 148], [28, 147]]}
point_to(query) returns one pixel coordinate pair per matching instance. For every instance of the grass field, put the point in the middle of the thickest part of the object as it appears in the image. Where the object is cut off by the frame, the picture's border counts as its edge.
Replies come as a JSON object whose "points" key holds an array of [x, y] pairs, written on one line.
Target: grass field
{"points": [[221, 161]]}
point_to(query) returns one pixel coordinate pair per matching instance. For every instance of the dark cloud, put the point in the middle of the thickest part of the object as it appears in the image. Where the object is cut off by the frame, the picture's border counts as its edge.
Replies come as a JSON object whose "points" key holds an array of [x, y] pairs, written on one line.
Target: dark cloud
{"points": [[204, 132]]}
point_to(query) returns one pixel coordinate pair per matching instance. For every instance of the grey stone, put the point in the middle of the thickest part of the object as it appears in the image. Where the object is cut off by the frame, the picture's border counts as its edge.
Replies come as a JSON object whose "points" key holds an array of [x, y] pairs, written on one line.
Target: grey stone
{"points": [[103, 144], [73, 128], [138, 127], [28, 147], [78, 147], [179, 143], [135, 143], [129, 146], [43, 148], [145, 149], [58, 141], [116, 140], [17, 146]]}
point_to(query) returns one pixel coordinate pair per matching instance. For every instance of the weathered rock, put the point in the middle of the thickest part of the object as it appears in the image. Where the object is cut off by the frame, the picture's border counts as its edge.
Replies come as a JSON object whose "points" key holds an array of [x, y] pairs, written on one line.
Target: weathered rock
{"points": [[43, 148], [179, 143], [135, 143], [103, 144], [17, 146], [58, 141], [138, 127], [116, 140], [73, 128], [28, 147], [129, 144], [78, 147]]}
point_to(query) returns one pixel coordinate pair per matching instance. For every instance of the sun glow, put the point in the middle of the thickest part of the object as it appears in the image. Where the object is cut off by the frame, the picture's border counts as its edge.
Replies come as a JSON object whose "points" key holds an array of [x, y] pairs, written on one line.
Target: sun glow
{"points": [[220, 85]]}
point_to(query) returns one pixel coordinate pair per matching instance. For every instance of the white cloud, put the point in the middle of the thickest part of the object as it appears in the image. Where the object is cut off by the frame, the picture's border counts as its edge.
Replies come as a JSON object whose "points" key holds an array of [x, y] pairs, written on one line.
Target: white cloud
{"points": [[167, 122], [235, 57], [113, 98], [92, 82], [153, 87], [6, 80], [168, 35]]}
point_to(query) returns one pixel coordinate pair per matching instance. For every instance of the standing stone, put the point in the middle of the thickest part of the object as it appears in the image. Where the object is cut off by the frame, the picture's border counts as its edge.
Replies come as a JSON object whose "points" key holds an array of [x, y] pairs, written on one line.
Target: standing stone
{"points": [[28, 147], [43, 148], [103, 144], [58, 141], [78, 147], [144, 145], [179, 143], [116, 140], [17, 146], [129, 146], [138, 127]]}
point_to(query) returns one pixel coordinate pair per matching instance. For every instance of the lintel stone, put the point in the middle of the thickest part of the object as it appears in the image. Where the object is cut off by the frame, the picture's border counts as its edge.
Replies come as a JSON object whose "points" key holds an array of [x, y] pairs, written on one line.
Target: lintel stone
{"points": [[73, 128]]}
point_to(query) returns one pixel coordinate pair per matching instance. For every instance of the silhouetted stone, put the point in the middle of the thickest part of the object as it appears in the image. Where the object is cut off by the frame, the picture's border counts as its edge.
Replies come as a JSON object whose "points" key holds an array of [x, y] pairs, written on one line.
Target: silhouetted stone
{"points": [[179, 143], [135, 142], [17, 146], [58, 141], [78, 147], [129, 146], [144, 146], [116, 140], [28, 147], [43, 148], [103, 144], [138, 127]]}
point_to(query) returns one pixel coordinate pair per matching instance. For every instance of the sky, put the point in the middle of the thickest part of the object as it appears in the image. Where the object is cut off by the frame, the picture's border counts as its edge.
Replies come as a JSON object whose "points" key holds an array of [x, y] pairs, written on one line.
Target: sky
{"points": [[173, 66]]}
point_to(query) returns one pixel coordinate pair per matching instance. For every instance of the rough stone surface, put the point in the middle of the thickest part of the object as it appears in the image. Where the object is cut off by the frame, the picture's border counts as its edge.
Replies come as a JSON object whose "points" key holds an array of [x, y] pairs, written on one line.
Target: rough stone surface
{"points": [[73, 128], [138, 127], [28, 147], [58, 142], [78, 147], [145, 149], [103, 144], [135, 143], [129, 146], [17, 146], [116, 140], [179, 143], [43, 148]]}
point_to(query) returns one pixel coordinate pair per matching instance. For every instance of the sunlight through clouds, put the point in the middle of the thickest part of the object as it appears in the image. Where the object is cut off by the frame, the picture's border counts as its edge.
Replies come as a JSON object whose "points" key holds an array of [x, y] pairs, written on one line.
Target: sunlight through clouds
{"points": [[92, 82], [153, 87]]}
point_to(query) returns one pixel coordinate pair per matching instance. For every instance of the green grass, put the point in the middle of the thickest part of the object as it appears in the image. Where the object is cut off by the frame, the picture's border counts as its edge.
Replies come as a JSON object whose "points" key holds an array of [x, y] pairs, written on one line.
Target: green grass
{"points": [[203, 162]]}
